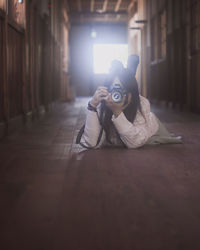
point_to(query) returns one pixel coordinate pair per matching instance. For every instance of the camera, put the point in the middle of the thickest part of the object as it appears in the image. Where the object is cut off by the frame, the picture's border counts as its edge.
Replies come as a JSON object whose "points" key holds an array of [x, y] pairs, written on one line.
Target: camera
{"points": [[117, 92]]}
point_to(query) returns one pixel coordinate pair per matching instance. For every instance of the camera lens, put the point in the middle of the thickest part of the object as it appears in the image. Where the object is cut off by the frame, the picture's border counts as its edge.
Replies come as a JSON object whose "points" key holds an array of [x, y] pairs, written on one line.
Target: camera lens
{"points": [[117, 96]]}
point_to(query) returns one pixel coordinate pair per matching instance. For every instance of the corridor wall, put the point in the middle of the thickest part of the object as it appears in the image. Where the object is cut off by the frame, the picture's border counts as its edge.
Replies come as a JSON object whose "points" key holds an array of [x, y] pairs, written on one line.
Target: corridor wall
{"points": [[193, 42], [1, 70], [31, 60], [170, 50], [15, 71]]}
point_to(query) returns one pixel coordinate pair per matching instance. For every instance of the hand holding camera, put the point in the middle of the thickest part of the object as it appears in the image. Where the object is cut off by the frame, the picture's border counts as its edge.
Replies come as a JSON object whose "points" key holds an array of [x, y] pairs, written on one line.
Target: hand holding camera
{"points": [[100, 95], [115, 98]]}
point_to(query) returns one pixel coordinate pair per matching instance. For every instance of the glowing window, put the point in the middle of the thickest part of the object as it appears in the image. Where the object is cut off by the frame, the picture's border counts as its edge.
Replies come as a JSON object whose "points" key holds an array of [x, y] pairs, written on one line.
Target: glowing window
{"points": [[104, 54]]}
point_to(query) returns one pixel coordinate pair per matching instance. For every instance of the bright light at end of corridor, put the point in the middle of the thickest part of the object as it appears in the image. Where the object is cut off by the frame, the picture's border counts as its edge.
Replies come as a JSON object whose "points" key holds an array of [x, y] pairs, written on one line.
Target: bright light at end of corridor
{"points": [[104, 54], [93, 34]]}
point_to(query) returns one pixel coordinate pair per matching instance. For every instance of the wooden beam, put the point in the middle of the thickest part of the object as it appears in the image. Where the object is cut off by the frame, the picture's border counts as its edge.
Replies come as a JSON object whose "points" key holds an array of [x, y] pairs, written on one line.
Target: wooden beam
{"points": [[105, 4], [25, 63], [89, 13], [92, 5], [5, 72], [118, 5], [131, 4], [79, 5]]}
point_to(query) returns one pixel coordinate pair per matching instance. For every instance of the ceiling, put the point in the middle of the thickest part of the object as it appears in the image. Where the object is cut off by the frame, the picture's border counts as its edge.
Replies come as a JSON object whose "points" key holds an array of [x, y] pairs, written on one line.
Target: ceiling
{"points": [[90, 11]]}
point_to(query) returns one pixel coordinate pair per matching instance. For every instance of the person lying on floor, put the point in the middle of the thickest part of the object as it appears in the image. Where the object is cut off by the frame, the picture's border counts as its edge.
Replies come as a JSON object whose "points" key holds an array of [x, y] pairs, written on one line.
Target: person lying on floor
{"points": [[119, 116]]}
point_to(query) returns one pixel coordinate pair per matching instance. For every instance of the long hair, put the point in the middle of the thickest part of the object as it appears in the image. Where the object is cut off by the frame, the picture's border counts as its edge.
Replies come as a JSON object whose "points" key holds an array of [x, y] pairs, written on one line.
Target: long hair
{"points": [[130, 84]]}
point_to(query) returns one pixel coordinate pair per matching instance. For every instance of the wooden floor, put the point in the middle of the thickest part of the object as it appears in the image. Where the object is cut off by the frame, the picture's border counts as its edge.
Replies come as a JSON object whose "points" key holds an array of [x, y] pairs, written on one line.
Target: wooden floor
{"points": [[53, 196]]}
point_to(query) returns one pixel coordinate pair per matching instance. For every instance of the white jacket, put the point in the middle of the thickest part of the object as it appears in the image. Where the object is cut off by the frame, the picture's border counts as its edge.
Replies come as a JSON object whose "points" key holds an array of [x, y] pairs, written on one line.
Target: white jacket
{"points": [[133, 135]]}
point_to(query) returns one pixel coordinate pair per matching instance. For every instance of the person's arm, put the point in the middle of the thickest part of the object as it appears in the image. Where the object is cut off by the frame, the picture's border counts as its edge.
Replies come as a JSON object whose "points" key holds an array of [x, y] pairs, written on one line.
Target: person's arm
{"points": [[135, 135], [92, 124], [92, 130]]}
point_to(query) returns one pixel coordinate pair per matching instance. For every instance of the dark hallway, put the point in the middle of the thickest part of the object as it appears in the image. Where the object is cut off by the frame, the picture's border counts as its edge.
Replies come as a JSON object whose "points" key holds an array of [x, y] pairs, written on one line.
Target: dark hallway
{"points": [[55, 195]]}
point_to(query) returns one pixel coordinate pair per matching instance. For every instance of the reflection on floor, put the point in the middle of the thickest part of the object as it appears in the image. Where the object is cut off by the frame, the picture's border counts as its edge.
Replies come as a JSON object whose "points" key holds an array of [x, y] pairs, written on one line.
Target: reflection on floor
{"points": [[53, 196]]}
